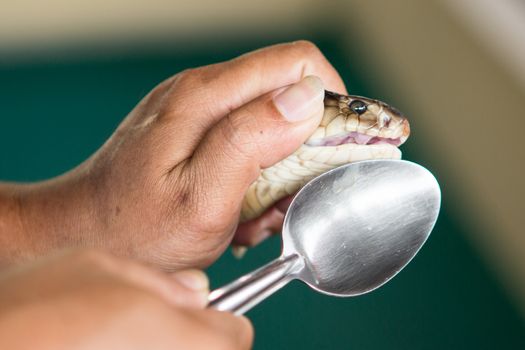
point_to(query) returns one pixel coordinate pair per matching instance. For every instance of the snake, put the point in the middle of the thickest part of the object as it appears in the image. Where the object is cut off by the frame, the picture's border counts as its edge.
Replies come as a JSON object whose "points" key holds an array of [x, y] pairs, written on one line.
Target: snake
{"points": [[353, 128]]}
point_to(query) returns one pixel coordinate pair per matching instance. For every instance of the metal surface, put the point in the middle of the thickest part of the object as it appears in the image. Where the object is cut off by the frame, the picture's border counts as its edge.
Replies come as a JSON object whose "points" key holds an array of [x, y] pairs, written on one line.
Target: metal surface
{"points": [[346, 233]]}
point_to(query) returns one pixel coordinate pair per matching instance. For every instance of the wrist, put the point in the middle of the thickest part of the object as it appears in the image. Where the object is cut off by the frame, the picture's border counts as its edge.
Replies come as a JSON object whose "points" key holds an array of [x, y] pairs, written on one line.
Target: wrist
{"points": [[13, 241], [38, 218]]}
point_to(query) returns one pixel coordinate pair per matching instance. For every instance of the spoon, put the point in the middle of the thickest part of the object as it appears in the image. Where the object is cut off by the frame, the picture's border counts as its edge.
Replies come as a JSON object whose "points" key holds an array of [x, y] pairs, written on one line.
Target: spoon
{"points": [[346, 233]]}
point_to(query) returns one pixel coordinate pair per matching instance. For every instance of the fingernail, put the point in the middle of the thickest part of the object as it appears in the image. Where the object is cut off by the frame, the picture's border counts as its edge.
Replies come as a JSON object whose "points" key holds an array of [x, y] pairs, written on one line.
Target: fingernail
{"points": [[192, 279], [301, 100], [239, 251]]}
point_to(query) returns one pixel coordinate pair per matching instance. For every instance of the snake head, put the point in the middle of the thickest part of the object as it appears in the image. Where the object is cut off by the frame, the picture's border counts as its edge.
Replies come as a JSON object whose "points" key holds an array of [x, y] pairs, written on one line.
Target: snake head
{"points": [[359, 120], [352, 129]]}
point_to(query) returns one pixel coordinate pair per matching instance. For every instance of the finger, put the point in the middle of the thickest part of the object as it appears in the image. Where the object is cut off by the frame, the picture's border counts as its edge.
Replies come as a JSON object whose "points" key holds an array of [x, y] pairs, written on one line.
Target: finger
{"points": [[255, 231], [252, 137], [283, 204], [202, 96], [196, 283], [189, 288]]}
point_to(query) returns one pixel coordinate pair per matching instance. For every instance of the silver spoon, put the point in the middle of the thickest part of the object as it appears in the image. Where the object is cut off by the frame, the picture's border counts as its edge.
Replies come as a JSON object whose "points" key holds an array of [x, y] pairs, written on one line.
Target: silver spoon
{"points": [[346, 233]]}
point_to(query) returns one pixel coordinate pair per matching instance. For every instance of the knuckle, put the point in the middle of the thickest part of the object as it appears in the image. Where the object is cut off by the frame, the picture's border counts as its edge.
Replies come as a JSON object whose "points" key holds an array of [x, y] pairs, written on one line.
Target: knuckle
{"points": [[179, 88], [306, 47], [196, 78], [188, 88], [187, 78]]}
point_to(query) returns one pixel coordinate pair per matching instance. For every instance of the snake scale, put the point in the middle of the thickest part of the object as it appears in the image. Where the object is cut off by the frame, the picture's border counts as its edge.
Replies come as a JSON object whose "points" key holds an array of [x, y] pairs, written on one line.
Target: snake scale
{"points": [[353, 128]]}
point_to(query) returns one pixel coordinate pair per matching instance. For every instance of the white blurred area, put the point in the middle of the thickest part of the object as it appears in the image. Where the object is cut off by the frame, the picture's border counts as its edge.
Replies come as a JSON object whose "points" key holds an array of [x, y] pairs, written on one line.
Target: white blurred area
{"points": [[458, 64], [499, 26], [28, 26]]}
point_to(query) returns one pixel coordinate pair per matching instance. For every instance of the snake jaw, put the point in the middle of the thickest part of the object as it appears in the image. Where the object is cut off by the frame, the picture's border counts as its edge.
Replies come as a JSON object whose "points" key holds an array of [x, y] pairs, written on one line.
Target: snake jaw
{"points": [[354, 137]]}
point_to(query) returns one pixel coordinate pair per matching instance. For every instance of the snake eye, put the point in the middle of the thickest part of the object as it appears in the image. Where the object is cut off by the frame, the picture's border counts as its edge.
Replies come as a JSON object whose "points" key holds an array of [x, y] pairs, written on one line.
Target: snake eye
{"points": [[358, 106]]}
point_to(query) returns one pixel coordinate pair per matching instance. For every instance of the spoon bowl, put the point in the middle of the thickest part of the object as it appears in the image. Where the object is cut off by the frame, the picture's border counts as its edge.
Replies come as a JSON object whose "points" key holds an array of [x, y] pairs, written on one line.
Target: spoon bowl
{"points": [[346, 233], [357, 226]]}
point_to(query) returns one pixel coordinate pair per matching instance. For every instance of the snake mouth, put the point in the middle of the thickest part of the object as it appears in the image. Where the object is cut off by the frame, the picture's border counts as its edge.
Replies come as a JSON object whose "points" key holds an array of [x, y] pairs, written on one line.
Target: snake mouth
{"points": [[355, 138]]}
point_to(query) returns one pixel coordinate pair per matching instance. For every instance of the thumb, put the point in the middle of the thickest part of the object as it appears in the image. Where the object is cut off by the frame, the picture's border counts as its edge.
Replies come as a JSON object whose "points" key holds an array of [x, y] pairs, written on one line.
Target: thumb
{"points": [[192, 288], [254, 136]]}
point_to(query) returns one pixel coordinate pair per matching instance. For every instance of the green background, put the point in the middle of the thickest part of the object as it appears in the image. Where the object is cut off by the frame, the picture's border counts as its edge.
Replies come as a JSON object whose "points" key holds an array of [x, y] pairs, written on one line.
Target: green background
{"points": [[56, 112]]}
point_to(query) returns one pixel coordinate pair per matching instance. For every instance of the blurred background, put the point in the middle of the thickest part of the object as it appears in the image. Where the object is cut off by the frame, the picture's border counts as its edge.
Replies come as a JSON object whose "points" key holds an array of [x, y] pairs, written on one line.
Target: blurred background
{"points": [[71, 70]]}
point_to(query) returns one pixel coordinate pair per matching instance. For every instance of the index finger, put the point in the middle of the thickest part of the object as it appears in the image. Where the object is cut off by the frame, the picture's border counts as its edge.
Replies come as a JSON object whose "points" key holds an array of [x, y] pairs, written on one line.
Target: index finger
{"points": [[200, 97]]}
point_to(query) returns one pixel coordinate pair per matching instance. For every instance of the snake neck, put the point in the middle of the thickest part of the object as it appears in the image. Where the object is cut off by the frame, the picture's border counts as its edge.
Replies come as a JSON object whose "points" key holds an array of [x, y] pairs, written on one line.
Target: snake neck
{"points": [[289, 175]]}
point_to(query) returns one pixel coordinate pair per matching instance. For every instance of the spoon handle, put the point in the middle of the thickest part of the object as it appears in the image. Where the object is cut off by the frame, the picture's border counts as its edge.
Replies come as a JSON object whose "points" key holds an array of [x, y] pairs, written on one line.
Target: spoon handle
{"points": [[244, 293]]}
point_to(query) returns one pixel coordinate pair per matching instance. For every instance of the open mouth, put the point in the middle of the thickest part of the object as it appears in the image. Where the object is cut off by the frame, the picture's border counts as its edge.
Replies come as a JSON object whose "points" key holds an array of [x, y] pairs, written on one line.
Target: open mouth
{"points": [[355, 138]]}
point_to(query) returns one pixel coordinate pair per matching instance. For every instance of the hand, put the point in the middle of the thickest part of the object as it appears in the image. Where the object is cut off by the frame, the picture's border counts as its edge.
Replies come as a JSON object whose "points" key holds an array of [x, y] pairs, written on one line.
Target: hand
{"points": [[91, 300], [167, 187]]}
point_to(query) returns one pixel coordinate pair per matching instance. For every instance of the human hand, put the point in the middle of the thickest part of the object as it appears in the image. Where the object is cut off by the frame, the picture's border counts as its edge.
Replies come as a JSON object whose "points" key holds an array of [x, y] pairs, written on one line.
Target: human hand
{"points": [[91, 300], [167, 187]]}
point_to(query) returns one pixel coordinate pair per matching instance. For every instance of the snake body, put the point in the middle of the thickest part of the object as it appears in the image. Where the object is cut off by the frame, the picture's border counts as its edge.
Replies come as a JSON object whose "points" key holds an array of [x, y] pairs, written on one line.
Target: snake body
{"points": [[353, 128]]}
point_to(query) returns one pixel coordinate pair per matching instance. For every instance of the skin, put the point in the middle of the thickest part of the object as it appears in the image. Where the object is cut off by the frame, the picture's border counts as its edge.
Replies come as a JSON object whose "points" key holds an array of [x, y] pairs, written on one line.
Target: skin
{"points": [[167, 187], [92, 300], [165, 190]]}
